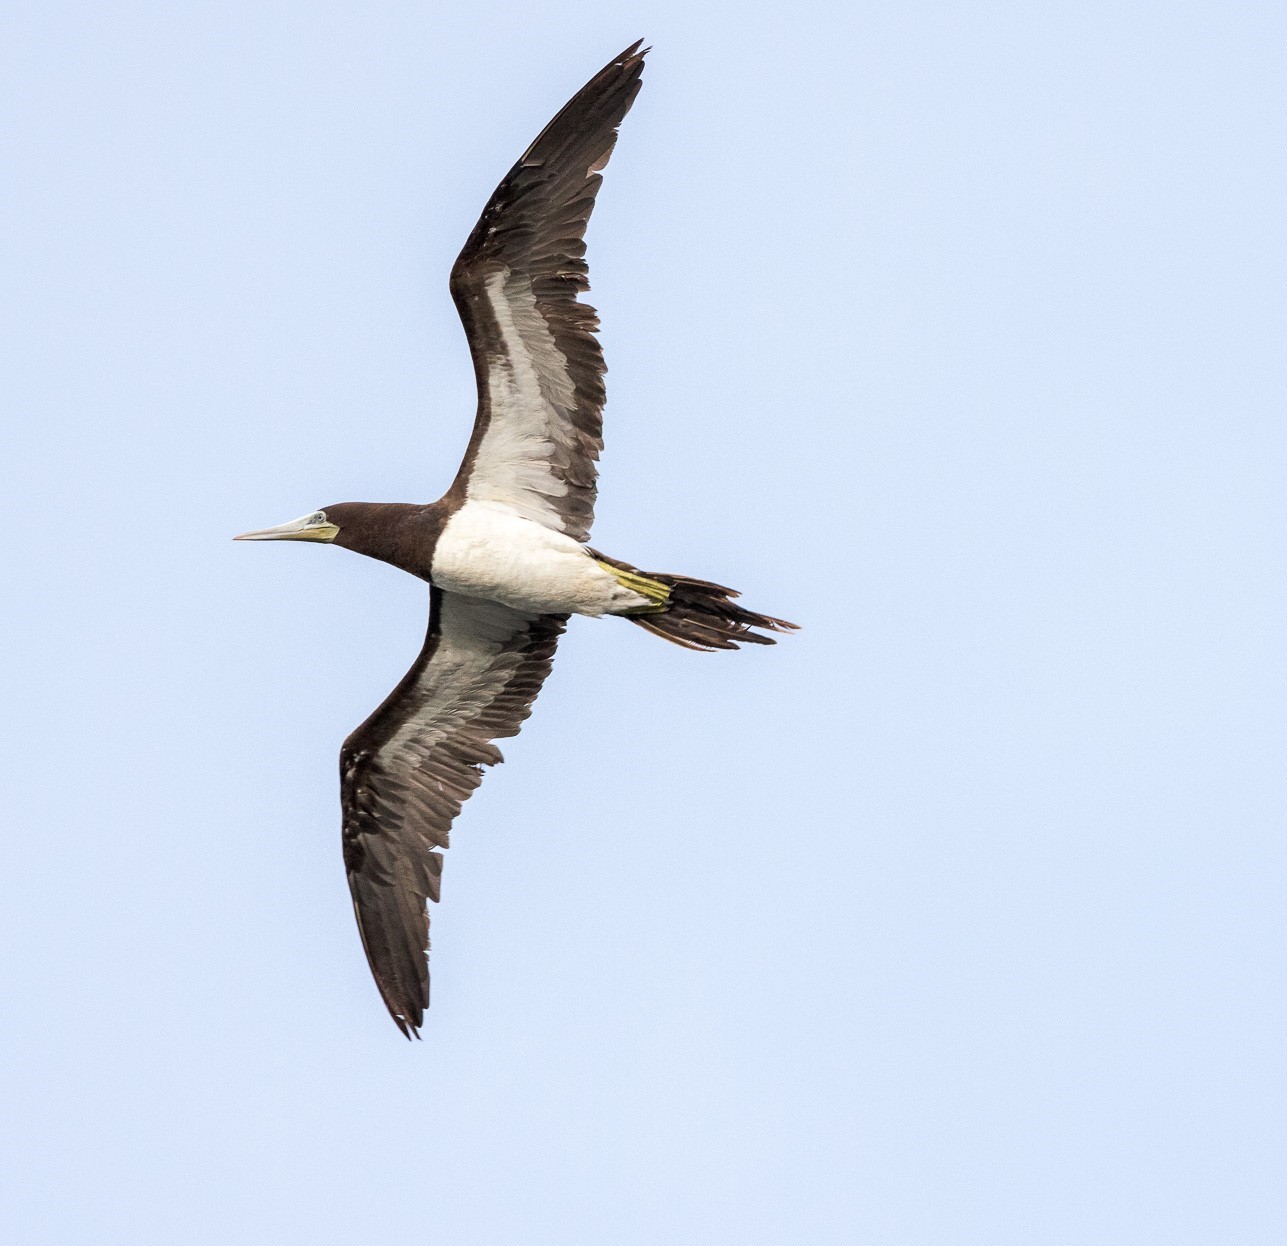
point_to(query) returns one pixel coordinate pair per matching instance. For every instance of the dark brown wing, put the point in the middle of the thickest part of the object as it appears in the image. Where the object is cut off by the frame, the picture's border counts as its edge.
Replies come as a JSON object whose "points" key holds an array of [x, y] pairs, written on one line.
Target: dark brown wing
{"points": [[405, 772], [539, 427]]}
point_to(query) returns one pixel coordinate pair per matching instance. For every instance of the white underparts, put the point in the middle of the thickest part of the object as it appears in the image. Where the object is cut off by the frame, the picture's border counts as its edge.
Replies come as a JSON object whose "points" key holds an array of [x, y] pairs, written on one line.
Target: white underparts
{"points": [[488, 551]]}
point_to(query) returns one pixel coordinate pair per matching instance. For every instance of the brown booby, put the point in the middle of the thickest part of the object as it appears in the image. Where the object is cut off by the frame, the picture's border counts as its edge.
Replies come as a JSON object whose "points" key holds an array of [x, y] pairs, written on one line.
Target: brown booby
{"points": [[505, 550]]}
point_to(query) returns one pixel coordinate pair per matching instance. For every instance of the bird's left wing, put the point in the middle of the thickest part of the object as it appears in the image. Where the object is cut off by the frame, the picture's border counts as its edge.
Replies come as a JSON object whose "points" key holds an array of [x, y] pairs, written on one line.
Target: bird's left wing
{"points": [[539, 427], [405, 772]]}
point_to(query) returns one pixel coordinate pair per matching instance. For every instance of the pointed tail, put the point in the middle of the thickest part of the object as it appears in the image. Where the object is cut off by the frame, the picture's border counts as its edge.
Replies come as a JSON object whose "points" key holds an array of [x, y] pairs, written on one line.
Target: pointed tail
{"points": [[694, 613]]}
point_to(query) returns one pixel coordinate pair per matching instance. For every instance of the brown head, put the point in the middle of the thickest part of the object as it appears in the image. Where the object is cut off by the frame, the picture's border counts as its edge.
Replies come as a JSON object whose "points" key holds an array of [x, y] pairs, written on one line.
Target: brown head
{"points": [[393, 532]]}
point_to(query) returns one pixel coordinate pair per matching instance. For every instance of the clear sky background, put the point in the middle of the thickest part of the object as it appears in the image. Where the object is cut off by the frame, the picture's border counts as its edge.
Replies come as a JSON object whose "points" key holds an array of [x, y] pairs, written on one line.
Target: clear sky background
{"points": [[954, 333]]}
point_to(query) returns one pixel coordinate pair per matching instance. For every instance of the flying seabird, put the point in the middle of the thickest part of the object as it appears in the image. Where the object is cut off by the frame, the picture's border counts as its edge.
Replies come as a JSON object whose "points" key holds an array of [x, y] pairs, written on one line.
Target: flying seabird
{"points": [[505, 550]]}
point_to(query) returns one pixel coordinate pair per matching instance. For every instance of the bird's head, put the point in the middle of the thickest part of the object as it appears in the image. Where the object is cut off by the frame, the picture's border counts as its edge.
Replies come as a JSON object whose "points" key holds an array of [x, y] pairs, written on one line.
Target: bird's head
{"points": [[390, 531]]}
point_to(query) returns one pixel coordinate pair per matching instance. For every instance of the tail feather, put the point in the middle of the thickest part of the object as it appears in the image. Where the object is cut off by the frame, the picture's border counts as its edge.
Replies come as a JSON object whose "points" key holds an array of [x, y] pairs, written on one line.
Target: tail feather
{"points": [[696, 614]]}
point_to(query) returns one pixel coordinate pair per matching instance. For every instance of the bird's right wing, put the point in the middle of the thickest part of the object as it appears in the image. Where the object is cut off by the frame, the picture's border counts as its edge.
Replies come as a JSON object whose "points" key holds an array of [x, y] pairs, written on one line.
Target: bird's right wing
{"points": [[405, 772]]}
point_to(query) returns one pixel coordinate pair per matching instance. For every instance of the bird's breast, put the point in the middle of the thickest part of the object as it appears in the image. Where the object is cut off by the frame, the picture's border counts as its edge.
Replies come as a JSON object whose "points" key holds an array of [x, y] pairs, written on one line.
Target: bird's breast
{"points": [[487, 550]]}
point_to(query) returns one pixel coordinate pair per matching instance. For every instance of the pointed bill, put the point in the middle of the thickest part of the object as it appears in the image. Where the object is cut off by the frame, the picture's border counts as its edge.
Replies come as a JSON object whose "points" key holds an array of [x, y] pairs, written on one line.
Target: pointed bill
{"points": [[314, 527]]}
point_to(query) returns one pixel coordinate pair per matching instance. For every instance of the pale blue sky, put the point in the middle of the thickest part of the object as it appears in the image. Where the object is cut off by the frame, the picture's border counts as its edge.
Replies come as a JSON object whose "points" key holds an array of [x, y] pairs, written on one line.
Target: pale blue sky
{"points": [[953, 332]]}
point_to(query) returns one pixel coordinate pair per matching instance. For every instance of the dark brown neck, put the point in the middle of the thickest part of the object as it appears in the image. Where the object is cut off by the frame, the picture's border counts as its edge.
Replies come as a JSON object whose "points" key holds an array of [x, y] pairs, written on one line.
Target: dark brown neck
{"points": [[402, 535]]}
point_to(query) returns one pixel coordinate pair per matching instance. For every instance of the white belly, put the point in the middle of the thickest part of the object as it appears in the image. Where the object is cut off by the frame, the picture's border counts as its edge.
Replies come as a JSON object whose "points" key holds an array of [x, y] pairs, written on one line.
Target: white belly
{"points": [[488, 551]]}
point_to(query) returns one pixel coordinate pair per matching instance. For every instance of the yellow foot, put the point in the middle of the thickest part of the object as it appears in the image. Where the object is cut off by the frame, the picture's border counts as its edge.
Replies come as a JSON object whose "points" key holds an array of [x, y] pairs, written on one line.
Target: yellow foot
{"points": [[658, 594]]}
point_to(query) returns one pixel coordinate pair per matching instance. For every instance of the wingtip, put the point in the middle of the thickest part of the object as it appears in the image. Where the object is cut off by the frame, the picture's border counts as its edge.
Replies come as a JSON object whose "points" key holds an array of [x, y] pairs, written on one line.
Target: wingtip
{"points": [[410, 1029], [634, 54]]}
